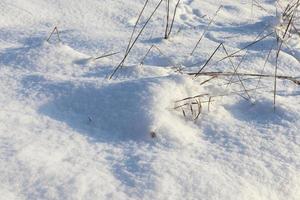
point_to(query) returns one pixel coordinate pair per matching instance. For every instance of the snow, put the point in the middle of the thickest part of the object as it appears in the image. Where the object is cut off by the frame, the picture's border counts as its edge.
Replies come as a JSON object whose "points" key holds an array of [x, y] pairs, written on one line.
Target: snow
{"points": [[69, 132]]}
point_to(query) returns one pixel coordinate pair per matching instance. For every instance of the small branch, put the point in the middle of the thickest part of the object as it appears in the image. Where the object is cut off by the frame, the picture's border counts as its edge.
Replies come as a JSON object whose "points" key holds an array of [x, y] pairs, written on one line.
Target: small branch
{"points": [[170, 62], [135, 25], [204, 32], [135, 40], [293, 79], [57, 33], [106, 55], [168, 16], [173, 19], [211, 56], [246, 47]]}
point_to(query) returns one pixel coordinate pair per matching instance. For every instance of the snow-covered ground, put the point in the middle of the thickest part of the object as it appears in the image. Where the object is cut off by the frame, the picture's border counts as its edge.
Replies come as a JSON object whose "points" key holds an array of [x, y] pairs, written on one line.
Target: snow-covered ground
{"points": [[69, 132]]}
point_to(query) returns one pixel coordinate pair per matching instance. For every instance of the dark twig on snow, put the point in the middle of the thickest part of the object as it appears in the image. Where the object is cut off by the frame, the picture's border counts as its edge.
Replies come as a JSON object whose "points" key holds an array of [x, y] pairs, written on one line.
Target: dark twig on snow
{"points": [[55, 30], [135, 40]]}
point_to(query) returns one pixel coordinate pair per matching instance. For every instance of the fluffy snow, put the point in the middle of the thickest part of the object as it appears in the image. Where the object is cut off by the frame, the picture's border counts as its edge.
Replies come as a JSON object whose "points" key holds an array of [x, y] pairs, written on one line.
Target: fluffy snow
{"points": [[68, 132]]}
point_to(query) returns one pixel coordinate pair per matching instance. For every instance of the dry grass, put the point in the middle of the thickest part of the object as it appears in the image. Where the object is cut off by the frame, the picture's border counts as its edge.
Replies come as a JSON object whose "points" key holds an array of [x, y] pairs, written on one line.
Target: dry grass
{"points": [[193, 106], [55, 30]]}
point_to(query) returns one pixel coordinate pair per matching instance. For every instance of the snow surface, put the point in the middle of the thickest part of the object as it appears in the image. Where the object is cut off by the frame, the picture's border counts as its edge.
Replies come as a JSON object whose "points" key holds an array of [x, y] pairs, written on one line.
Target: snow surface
{"points": [[68, 132]]}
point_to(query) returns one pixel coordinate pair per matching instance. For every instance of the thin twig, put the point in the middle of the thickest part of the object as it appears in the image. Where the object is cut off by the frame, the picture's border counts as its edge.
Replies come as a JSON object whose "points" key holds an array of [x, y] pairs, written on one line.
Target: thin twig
{"points": [[135, 40], [206, 29], [173, 19], [57, 33], [235, 71], [279, 49], [293, 79], [211, 56], [135, 25], [106, 55], [168, 16]]}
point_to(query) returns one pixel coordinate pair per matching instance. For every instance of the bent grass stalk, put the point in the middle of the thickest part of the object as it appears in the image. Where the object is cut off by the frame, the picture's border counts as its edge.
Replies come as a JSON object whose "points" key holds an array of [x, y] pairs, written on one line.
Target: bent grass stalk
{"points": [[135, 40]]}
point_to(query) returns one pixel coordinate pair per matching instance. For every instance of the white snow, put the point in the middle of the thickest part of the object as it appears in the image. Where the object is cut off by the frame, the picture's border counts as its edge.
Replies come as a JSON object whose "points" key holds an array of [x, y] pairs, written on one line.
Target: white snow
{"points": [[68, 132]]}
